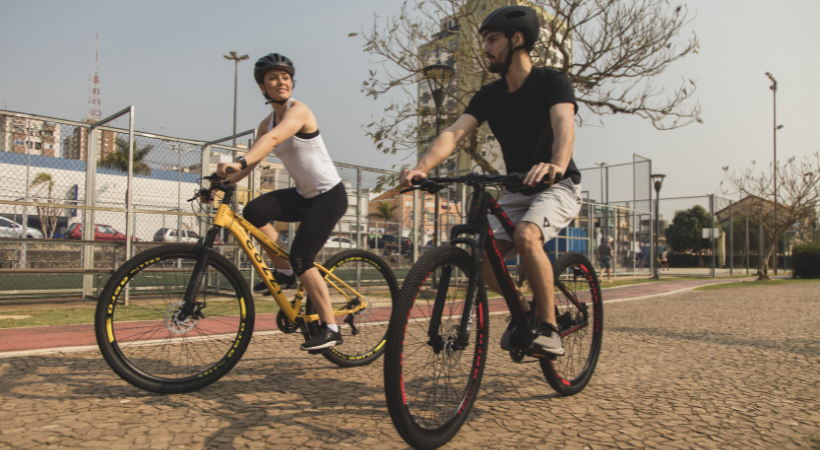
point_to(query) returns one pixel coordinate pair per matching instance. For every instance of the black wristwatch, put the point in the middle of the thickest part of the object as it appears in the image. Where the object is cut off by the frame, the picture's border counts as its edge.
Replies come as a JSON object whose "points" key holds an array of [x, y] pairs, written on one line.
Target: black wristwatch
{"points": [[241, 160]]}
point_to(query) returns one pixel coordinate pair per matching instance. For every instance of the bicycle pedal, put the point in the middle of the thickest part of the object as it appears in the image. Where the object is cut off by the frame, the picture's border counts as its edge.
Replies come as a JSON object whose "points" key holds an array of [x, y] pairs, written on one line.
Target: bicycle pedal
{"points": [[315, 352]]}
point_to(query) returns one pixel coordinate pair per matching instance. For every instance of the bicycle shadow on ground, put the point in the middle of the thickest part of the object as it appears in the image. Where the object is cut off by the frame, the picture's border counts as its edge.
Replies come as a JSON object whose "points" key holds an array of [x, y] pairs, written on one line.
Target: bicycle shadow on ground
{"points": [[297, 397]]}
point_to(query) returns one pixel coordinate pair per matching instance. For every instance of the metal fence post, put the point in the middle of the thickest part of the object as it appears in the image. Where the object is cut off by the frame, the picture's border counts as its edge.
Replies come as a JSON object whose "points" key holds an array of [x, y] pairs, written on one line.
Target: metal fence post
{"points": [[747, 242], [129, 188], [712, 233], [731, 241], [359, 208], [359, 224], [88, 216]]}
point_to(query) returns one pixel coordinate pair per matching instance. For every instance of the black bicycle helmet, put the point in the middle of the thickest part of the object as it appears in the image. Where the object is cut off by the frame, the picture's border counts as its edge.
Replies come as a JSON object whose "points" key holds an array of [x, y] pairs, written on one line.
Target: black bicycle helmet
{"points": [[510, 19], [272, 61]]}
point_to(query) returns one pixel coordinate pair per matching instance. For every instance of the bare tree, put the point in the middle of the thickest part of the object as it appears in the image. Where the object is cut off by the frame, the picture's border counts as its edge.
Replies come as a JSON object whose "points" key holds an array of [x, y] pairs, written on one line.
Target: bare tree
{"points": [[611, 50], [798, 198], [48, 214]]}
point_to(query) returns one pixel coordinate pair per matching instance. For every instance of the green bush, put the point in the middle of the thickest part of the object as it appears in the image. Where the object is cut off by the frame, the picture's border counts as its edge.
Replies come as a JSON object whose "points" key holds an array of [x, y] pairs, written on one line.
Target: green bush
{"points": [[806, 260]]}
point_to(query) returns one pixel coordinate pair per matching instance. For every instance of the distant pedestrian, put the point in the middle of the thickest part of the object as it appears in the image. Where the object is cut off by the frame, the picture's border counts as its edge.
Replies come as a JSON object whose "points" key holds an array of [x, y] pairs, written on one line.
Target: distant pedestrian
{"points": [[665, 260], [605, 257]]}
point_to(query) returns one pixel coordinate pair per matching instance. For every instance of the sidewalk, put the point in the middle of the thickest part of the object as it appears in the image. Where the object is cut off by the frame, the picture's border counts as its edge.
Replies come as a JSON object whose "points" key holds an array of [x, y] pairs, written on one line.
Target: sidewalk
{"points": [[80, 337]]}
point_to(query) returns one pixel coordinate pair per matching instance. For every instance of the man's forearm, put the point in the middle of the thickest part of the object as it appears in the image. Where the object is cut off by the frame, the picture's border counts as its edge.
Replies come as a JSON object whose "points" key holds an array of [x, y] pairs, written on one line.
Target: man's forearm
{"points": [[442, 147]]}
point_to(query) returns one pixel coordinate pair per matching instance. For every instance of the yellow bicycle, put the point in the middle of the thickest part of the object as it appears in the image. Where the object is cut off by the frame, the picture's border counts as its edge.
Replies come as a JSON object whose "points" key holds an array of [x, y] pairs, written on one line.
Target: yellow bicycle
{"points": [[179, 317]]}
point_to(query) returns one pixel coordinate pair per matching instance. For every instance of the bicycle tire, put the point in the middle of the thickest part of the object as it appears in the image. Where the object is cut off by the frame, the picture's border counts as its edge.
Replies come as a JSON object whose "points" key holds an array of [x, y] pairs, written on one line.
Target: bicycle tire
{"points": [[570, 373], [364, 332], [429, 408], [146, 343]]}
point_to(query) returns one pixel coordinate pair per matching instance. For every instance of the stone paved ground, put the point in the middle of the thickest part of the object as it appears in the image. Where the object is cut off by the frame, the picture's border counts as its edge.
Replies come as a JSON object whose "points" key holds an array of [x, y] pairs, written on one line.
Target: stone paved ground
{"points": [[736, 368]]}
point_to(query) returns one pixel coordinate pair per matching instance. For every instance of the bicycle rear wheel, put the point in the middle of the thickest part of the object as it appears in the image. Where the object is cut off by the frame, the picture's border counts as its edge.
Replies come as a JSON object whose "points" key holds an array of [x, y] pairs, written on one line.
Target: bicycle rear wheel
{"points": [[431, 383], [363, 331], [581, 328], [148, 341]]}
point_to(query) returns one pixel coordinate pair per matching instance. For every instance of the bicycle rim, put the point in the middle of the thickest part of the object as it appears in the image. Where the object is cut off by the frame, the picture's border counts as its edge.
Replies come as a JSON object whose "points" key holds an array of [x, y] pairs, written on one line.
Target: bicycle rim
{"points": [[364, 332], [147, 340], [430, 384], [581, 331]]}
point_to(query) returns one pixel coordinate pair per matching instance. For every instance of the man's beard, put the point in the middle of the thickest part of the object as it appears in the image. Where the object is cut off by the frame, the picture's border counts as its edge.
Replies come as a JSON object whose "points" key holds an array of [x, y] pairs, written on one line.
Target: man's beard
{"points": [[499, 64]]}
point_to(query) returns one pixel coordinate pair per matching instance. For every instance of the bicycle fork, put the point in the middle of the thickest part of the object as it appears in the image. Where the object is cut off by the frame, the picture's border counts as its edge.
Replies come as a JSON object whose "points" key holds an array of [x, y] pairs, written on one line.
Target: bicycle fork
{"points": [[203, 257]]}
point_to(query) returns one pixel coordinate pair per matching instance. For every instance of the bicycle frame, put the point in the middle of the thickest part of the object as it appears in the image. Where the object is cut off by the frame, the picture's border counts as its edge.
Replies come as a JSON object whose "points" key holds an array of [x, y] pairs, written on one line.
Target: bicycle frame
{"points": [[239, 228], [482, 203]]}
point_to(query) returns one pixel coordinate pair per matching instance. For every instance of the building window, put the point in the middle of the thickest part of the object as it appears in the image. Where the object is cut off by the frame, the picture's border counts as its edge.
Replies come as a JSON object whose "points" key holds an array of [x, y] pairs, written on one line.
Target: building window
{"points": [[430, 217], [19, 142], [48, 133]]}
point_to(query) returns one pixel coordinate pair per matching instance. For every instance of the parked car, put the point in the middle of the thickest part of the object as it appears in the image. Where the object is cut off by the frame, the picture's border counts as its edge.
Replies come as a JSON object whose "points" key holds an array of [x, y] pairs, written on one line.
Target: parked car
{"points": [[11, 229], [170, 235], [339, 242], [101, 233]]}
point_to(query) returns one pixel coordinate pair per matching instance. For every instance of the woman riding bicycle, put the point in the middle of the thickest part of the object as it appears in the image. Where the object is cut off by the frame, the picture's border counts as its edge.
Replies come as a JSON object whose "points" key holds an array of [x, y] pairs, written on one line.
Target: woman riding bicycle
{"points": [[318, 201]]}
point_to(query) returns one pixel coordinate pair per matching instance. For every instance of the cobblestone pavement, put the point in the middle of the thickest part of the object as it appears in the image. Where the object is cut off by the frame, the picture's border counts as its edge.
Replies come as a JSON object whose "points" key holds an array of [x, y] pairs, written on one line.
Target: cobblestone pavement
{"points": [[734, 368]]}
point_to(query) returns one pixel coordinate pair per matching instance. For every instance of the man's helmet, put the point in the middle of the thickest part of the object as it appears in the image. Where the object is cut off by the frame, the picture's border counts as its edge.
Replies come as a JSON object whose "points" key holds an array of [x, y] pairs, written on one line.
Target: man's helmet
{"points": [[509, 19], [269, 62]]}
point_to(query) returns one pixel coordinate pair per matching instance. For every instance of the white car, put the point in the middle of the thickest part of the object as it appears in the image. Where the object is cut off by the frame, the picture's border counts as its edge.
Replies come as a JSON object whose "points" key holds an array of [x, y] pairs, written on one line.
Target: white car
{"points": [[170, 235], [12, 229], [339, 242]]}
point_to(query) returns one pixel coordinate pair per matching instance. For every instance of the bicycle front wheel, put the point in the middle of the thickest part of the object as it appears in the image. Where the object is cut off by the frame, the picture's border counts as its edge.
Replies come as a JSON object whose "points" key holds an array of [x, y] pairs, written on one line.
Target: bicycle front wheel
{"points": [[580, 324], [364, 331], [430, 378], [147, 338]]}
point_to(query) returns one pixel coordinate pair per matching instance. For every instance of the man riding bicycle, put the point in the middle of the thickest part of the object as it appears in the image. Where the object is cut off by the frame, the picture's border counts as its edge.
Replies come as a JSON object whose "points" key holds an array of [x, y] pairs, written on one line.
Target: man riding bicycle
{"points": [[530, 110]]}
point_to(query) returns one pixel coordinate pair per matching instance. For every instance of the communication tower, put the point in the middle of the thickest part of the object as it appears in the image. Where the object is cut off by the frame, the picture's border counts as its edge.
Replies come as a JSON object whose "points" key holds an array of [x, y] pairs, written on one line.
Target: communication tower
{"points": [[94, 111]]}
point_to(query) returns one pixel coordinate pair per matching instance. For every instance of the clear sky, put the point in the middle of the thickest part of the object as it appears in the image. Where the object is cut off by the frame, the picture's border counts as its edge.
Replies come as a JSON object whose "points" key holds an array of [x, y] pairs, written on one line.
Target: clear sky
{"points": [[166, 59]]}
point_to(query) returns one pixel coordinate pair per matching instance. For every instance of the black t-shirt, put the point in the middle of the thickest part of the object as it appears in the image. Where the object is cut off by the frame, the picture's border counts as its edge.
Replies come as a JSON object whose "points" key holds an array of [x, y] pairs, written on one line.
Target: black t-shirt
{"points": [[518, 119]]}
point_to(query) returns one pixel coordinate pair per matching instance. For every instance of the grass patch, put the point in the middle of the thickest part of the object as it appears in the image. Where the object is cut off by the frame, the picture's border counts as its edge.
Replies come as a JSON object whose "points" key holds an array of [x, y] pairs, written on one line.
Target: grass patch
{"points": [[751, 284], [85, 315]]}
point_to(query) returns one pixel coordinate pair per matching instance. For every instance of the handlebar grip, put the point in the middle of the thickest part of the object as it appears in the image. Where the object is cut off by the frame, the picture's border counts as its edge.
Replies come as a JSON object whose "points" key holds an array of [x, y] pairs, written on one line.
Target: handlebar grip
{"points": [[229, 170]]}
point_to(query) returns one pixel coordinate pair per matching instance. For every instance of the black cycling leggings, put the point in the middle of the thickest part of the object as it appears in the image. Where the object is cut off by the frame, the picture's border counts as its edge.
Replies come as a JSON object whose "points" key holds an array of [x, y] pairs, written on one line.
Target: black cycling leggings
{"points": [[318, 216]]}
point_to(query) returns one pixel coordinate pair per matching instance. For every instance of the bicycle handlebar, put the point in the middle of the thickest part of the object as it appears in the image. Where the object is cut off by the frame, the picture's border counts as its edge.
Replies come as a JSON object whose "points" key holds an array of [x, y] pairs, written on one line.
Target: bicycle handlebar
{"points": [[435, 184]]}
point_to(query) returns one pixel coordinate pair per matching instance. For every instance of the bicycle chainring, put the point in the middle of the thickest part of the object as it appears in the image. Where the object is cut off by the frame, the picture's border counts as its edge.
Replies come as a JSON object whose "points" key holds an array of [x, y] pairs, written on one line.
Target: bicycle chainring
{"points": [[284, 324]]}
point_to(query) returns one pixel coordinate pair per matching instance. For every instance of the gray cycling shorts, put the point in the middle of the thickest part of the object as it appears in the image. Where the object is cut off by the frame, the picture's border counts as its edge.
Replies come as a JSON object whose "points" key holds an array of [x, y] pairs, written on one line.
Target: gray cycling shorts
{"points": [[552, 210]]}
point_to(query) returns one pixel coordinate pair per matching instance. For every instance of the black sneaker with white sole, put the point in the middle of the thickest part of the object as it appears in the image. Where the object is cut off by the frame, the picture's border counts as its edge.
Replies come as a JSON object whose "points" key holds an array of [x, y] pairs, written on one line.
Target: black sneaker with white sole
{"points": [[548, 339], [284, 281], [326, 338]]}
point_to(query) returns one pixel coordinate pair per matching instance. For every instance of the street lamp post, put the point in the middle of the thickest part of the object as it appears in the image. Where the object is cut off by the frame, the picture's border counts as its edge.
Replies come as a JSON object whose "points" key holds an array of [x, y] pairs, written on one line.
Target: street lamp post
{"points": [[776, 127], [237, 60], [439, 77], [658, 179]]}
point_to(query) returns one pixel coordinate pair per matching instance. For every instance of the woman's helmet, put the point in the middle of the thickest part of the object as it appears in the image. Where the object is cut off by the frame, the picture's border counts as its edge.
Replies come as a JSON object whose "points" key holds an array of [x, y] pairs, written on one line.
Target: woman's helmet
{"points": [[269, 62], [509, 19]]}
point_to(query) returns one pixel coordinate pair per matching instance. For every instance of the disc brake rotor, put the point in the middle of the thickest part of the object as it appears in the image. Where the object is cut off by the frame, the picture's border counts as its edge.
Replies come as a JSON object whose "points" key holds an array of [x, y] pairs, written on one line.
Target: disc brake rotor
{"points": [[175, 323]]}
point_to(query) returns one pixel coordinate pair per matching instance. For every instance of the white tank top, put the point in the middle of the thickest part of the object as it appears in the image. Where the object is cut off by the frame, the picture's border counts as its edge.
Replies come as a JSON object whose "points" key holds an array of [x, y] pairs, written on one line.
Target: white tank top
{"points": [[307, 161]]}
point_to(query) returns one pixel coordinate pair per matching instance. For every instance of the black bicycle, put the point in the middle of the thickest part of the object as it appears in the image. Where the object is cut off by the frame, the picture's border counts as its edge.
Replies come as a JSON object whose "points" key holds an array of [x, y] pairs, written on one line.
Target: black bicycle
{"points": [[437, 338]]}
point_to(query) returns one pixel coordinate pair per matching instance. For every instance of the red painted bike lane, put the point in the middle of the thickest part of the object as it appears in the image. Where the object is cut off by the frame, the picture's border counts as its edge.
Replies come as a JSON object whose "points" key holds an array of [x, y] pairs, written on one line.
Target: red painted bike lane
{"points": [[82, 335]]}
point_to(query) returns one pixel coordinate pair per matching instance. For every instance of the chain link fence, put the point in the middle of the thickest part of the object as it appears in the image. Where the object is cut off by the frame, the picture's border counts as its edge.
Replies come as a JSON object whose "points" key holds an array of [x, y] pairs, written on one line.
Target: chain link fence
{"points": [[62, 176]]}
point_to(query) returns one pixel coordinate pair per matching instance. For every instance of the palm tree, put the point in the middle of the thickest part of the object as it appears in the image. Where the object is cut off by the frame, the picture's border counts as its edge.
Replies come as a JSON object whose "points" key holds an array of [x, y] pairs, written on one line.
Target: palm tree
{"points": [[384, 211], [118, 159], [48, 214]]}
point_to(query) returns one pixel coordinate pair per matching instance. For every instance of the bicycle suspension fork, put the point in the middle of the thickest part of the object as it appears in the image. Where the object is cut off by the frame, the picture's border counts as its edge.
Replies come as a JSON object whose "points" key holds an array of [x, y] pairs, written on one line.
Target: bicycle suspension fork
{"points": [[203, 257]]}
